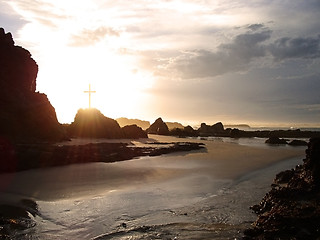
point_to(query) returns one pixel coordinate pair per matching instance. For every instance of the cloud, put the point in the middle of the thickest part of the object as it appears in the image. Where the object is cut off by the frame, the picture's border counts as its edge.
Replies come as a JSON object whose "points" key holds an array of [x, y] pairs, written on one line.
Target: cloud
{"points": [[255, 27], [38, 11], [89, 37], [235, 56], [239, 54], [285, 48], [10, 21]]}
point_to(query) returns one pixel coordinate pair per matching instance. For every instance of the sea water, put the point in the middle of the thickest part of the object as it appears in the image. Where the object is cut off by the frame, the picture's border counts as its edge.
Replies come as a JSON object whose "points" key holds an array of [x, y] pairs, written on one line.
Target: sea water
{"points": [[193, 206]]}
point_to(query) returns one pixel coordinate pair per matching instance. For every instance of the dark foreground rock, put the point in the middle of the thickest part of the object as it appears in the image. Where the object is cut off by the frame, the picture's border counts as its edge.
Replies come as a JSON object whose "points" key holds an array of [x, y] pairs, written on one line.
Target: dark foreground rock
{"points": [[25, 115], [20, 157], [291, 210], [17, 217]]}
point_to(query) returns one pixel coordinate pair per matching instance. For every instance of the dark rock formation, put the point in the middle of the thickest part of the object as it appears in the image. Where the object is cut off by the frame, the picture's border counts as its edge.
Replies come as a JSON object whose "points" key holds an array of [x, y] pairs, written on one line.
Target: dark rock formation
{"points": [[133, 131], [93, 124], [276, 140], [25, 115], [298, 143], [187, 131], [291, 210], [206, 130], [158, 127], [16, 217]]}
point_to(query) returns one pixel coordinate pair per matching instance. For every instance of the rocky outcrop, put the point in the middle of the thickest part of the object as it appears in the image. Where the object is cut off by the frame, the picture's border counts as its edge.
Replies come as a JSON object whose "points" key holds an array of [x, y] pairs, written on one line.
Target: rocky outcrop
{"points": [[25, 115], [215, 129], [291, 210], [276, 140], [297, 142], [158, 127], [187, 131], [133, 131], [92, 123]]}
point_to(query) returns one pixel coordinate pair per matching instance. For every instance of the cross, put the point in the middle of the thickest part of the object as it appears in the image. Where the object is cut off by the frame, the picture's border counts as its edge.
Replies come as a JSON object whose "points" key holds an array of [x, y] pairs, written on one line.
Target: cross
{"points": [[89, 95]]}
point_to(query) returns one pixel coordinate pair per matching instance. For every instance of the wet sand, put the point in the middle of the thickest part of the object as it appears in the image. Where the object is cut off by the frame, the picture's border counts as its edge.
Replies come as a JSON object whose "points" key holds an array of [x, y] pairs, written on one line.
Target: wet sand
{"points": [[219, 160]]}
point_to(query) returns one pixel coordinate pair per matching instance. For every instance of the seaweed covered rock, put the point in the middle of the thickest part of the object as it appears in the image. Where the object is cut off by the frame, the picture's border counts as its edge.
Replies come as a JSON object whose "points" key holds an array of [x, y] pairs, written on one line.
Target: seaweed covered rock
{"points": [[25, 115], [291, 210]]}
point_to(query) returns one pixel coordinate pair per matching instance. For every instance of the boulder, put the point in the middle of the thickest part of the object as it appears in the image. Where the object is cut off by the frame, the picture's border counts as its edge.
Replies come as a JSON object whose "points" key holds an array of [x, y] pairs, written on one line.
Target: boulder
{"points": [[158, 127], [25, 115]]}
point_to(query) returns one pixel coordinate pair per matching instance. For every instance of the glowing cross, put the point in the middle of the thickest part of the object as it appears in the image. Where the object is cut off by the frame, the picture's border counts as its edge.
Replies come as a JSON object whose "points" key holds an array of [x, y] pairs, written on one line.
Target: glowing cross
{"points": [[89, 95]]}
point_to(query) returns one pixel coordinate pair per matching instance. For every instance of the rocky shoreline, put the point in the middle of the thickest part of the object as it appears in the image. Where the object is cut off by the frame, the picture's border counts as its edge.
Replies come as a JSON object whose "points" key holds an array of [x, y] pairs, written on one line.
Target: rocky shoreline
{"points": [[291, 210], [21, 157]]}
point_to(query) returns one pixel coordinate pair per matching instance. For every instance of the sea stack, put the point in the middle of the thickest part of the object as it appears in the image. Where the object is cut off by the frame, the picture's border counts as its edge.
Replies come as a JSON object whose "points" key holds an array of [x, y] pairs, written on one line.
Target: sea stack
{"points": [[25, 115], [158, 127]]}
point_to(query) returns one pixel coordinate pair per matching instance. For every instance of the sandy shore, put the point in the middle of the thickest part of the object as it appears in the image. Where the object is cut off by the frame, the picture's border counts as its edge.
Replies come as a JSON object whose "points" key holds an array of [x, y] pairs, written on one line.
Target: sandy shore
{"points": [[219, 160]]}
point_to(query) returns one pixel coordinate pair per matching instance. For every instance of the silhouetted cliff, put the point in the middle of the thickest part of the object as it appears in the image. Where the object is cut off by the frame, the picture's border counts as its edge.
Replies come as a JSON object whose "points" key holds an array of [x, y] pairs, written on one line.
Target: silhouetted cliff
{"points": [[25, 115]]}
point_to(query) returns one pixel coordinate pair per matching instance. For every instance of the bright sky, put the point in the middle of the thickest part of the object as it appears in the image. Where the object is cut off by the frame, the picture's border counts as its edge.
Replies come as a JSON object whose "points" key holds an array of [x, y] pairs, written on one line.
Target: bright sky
{"points": [[254, 61]]}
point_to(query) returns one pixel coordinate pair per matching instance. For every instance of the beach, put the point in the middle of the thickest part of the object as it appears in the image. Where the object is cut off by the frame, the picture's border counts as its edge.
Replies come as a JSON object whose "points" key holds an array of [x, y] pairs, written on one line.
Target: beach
{"points": [[185, 194]]}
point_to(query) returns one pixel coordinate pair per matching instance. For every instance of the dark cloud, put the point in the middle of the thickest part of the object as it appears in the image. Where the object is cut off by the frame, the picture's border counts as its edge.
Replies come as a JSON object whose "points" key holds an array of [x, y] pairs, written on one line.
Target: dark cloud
{"points": [[239, 54], [235, 56], [89, 37], [284, 48], [255, 27]]}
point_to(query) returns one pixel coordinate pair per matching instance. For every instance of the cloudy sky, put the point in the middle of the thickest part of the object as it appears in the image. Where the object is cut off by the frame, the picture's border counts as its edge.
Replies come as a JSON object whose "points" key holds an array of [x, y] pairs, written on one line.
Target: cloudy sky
{"points": [[253, 61]]}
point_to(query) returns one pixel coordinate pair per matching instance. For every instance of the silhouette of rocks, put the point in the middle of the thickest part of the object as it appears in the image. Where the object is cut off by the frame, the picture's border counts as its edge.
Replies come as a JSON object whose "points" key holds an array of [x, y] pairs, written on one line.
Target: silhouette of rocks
{"points": [[276, 140], [298, 143], [158, 127], [216, 129], [92, 123], [133, 131], [187, 131], [25, 115], [291, 210]]}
